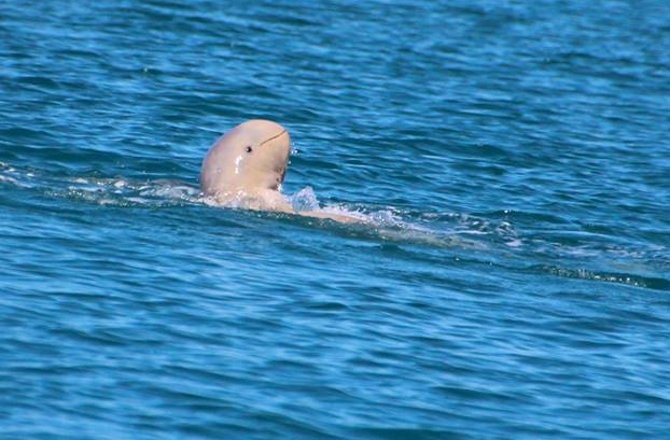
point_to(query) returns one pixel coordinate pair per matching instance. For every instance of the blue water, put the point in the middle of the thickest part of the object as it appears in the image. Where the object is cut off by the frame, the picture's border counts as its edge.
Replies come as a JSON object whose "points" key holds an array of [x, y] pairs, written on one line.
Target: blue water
{"points": [[513, 157]]}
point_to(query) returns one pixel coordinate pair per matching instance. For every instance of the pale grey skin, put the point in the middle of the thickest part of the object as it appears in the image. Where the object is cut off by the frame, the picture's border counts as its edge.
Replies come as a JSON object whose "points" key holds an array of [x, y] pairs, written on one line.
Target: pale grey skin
{"points": [[246, 167]]}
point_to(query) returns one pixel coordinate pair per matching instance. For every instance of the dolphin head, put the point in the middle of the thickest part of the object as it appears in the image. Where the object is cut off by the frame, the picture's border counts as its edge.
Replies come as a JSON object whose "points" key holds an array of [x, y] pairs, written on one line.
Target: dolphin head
{"points": [[250, 158]]}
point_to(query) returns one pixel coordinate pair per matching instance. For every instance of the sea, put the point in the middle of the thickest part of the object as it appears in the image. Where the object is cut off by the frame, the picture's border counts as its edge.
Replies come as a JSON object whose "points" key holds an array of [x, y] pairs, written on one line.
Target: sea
{"points": [[511, 279]]}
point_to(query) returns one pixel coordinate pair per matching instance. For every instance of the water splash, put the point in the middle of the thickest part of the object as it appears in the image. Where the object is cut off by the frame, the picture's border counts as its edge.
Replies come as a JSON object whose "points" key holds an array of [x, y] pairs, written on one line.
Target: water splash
{"points": [[304, 200]]}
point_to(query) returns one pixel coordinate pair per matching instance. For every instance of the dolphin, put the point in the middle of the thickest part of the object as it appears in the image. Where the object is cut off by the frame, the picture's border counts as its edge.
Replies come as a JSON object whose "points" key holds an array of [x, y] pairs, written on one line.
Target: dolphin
{"points": [[246, 166]]}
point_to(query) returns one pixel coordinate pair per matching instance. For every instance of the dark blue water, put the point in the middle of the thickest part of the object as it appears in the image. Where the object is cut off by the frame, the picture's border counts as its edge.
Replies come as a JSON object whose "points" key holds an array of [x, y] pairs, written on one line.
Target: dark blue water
{"points": [[514, 158]]}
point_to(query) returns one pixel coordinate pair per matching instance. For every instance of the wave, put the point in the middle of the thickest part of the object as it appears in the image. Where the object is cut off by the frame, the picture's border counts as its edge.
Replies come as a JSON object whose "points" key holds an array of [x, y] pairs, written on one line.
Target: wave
{"points": [[495, 233], [386, 223], [655, 283]]}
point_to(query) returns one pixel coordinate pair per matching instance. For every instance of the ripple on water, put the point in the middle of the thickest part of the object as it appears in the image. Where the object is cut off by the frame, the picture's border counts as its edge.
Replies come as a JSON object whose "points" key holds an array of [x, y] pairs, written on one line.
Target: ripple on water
{"points": [[511, 281]]}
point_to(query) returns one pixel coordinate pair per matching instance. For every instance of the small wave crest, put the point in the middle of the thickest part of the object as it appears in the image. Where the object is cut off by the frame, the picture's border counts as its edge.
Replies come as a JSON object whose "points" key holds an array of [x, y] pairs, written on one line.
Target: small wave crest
{"points": [[608, 277], [116, 191], [124, 192]]}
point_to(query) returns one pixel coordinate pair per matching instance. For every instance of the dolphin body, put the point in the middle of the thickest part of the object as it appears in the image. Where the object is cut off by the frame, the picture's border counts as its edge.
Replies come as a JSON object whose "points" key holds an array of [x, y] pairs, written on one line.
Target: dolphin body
{"points": [[246, 167]]}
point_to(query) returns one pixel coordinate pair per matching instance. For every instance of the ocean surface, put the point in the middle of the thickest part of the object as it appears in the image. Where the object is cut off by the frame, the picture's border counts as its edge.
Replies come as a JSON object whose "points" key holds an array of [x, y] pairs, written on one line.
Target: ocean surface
{"points": [[512, 280]]}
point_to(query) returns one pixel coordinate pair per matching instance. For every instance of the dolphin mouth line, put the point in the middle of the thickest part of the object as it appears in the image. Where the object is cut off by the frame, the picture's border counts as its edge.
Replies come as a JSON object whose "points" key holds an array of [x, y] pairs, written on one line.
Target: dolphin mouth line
{"points": [[272, 138]]}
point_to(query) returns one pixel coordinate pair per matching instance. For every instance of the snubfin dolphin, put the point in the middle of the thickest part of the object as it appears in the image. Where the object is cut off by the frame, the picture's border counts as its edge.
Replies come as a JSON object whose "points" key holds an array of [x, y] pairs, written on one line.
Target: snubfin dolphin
{"points": [[246, 167]]}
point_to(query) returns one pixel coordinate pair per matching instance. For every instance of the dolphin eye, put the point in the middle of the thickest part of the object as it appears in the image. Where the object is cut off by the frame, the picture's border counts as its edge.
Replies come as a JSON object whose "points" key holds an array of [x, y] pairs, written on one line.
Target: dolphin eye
{"points": [[249, 149]]}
